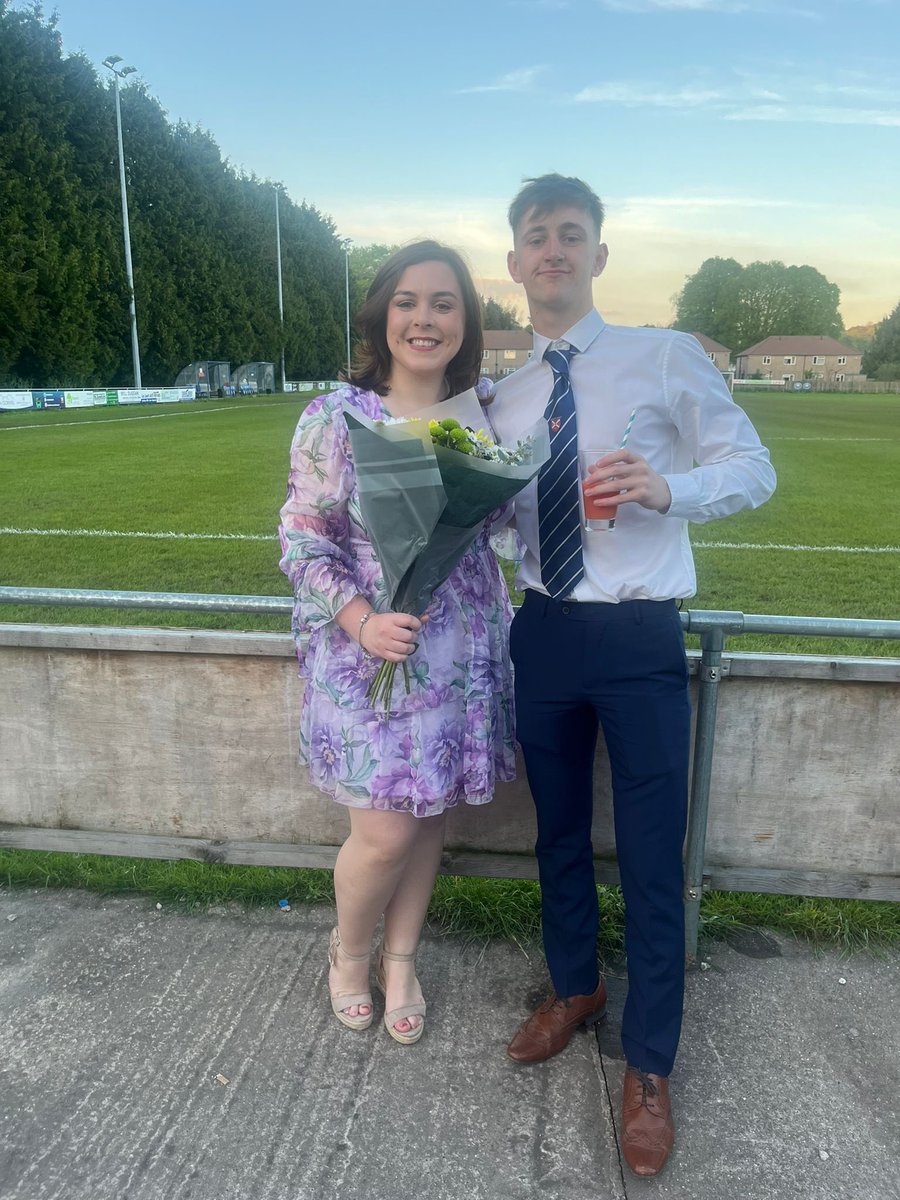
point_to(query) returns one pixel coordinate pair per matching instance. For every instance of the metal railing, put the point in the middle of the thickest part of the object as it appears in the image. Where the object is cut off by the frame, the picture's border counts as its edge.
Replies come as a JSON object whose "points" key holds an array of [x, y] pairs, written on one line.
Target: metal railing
{"points": [[712, 626]]}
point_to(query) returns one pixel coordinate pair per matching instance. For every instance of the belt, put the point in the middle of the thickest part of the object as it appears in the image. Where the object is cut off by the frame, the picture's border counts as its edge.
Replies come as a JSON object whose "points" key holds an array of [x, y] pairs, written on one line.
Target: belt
{"points": [[587, 610]]}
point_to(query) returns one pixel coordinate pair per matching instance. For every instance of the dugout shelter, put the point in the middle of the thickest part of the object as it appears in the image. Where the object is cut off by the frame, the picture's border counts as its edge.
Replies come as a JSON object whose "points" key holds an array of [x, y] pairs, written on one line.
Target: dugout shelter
{"points": [[255, 378], [208, 377]]}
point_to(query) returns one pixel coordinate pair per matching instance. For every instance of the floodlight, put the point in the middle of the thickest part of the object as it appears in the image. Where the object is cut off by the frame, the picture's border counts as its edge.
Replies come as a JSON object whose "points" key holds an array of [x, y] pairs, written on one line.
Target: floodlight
{"points": [[111, 62]]}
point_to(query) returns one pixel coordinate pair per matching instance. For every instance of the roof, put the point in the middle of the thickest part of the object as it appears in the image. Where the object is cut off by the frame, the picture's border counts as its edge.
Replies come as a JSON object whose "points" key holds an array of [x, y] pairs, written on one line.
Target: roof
{"points": [[508, 339], [800, 344], [709, 345]]}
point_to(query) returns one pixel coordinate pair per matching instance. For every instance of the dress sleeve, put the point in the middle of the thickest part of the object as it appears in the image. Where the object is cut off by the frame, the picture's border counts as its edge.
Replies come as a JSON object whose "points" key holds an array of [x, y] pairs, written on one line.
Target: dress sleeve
{"points": [[314, 529]]}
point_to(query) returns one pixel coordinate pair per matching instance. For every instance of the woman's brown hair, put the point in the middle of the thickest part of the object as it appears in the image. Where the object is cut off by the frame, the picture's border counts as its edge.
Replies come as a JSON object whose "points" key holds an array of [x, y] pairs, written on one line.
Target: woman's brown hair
{"points": [[372, 359]]}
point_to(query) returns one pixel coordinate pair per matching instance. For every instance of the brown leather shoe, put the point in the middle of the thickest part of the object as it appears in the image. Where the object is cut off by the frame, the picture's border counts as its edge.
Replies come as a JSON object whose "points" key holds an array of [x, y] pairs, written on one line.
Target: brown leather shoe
{"points": [[550, 1029], [648, 1132]]}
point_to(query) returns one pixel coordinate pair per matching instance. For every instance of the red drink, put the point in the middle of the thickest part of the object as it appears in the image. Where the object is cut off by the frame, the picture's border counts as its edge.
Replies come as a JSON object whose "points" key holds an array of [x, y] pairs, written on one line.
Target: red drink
{"points": [[599, 514], [596, 508]]}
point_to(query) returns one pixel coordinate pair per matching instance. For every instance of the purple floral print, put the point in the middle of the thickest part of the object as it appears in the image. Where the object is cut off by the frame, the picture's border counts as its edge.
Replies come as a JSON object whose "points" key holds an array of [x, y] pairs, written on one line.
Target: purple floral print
{"points": [[452, 737]]}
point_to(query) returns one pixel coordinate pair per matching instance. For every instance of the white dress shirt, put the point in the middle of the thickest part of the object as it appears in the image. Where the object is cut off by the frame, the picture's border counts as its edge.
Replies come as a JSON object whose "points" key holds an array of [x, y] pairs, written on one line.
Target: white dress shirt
{"points": [[688, 429]]}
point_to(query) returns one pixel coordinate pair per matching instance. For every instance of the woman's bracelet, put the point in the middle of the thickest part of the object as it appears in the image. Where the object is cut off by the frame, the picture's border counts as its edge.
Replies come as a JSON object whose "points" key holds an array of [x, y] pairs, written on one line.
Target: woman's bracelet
{"points": [[362, 625]]}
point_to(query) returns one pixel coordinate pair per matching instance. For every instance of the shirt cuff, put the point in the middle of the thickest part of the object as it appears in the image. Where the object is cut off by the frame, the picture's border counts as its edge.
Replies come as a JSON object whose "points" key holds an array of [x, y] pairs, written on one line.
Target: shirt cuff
{"points": [[685, 491]]}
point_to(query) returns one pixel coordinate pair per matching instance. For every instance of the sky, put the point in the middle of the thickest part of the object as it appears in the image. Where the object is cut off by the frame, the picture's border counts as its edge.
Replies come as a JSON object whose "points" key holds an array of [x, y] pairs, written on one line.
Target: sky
{"points": [[757, 129]]}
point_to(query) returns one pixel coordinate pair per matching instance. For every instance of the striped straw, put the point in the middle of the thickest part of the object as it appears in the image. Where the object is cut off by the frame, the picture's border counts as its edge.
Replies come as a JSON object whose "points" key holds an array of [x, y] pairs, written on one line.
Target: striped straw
{"points": [[628, 429]]}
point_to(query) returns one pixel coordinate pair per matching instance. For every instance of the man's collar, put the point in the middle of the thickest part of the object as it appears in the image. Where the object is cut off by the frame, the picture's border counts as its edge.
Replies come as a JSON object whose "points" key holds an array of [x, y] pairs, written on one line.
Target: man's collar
{"points": [[581, 335]]}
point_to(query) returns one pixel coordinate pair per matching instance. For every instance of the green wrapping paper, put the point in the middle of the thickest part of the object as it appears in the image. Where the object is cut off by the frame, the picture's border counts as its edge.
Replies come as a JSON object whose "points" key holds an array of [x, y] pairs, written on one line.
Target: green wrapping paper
{"points": [[424, 505], [401, 497]]}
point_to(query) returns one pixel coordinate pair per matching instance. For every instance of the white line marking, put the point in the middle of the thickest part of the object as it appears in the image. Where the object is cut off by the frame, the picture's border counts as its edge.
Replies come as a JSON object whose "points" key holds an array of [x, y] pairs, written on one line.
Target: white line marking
{"points": [[165, 535], [829, 439], [195, 412], [781, 546], [172, 535]]}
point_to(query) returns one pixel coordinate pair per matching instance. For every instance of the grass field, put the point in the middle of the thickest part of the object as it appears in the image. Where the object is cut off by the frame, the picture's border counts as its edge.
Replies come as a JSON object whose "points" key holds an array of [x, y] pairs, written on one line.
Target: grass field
{"points": [[827, 544]]}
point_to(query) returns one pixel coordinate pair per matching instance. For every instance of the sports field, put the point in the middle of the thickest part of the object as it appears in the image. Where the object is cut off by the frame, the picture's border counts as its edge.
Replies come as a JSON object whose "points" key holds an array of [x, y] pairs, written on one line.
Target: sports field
{"points": [[185, 498]]}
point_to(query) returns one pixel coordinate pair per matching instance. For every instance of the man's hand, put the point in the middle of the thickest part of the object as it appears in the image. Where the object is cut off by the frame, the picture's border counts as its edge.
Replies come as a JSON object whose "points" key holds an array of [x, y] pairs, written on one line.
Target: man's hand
{"points": [[622, 477]]}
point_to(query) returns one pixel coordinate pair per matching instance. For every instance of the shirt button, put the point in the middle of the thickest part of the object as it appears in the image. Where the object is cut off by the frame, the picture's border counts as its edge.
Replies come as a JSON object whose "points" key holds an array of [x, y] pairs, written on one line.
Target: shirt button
{"points": [[565, 610]]}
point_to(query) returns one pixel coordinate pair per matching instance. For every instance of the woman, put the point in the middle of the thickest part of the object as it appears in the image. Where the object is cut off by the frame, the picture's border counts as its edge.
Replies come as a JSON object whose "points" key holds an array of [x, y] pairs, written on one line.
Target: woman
{"points": [[451, 737]]}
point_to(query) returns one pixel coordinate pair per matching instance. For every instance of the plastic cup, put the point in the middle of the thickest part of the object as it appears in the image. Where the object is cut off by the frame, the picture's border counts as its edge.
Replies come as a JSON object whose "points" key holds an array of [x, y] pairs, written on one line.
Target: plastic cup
{"points": [[597, 515]]}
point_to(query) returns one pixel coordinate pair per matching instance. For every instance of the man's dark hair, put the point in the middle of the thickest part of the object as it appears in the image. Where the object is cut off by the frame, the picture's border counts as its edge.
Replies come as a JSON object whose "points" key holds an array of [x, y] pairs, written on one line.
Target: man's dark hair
{"points": [[547, 192]]}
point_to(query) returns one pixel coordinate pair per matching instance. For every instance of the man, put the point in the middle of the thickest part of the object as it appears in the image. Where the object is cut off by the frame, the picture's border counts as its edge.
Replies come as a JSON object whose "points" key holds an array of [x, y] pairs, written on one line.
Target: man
{"points": [[598, 639]]}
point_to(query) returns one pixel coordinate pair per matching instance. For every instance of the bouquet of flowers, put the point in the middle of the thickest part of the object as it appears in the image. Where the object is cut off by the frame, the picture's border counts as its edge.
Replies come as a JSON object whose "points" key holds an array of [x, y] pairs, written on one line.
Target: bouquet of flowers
{"points": [[426, 486]]}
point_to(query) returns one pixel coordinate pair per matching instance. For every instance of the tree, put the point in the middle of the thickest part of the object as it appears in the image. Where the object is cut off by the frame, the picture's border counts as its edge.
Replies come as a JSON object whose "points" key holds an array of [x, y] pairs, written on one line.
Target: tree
{"points": [[364, 262], [202, 236], [882, 359], [54, 283], [739, 306], [700, 305], [500, 316], [859, 336]]}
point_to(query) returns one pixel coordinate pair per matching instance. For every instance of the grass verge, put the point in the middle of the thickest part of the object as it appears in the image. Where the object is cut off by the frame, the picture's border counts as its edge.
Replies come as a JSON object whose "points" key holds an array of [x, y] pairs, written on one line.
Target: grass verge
{"points": [[475, 909]]}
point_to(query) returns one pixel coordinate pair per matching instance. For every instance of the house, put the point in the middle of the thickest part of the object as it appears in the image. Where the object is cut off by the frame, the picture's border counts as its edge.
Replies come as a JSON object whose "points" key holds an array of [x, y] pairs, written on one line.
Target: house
{"points": [[505, 350], [715, 352], [822, 359]]}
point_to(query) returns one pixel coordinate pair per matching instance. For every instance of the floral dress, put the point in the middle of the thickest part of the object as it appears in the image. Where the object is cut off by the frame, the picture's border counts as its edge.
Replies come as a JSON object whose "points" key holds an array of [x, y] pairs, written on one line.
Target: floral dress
{"points": [[452, 737]]}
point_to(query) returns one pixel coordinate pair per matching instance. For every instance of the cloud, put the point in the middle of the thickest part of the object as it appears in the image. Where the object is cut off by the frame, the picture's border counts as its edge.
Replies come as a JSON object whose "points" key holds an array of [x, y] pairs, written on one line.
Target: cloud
{"points": [[642, 6], [729, 7], [475, 225], [816, 114], [742, 96], [707, 202], [522, 80], [502, 289], [886, 95], [639, 95], [689, 215]]}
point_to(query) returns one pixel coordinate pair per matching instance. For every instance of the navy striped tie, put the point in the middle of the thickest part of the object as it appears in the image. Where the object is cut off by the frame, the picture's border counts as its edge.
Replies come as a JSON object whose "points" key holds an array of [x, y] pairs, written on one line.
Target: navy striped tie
{"points": [[559, 486]]}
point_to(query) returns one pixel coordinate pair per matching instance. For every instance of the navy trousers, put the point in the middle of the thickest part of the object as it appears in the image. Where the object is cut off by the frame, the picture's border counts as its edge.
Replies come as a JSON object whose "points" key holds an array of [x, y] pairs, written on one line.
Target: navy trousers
{"points": [[622, 668]]}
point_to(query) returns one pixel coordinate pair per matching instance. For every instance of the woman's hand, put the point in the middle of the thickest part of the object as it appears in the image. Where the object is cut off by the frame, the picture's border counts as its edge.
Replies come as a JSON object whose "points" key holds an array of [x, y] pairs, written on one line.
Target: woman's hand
{"points": [[390, 635]]}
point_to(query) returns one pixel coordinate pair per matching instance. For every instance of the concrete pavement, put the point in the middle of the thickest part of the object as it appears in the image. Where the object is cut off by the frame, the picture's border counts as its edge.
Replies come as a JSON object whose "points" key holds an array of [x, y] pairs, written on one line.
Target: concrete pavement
{"points": [[119, 1021]]}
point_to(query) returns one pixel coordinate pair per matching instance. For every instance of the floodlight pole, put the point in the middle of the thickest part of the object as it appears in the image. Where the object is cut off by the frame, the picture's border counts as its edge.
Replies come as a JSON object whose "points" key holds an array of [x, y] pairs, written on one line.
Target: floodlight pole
{"points": [[280, 293], [347, 244], [111, 63]]}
